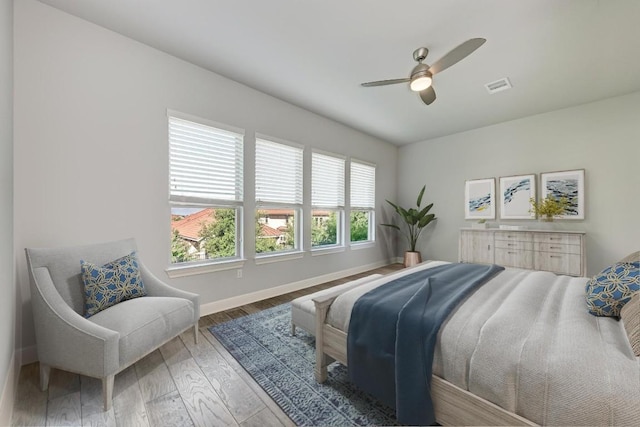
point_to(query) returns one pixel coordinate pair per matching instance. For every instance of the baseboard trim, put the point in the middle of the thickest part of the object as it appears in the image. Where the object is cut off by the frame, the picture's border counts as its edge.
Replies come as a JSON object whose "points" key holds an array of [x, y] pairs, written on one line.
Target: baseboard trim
{"points": [[8, 392], [233, 302]]}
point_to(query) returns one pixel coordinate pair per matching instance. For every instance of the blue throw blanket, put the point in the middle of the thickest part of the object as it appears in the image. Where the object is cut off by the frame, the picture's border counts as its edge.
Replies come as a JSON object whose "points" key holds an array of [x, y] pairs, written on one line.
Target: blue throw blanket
{"points": [[393, 332]]}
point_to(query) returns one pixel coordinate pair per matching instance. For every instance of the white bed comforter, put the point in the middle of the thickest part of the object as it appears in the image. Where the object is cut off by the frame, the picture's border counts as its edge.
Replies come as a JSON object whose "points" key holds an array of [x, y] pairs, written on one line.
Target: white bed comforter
{"points": [[526, 342]]}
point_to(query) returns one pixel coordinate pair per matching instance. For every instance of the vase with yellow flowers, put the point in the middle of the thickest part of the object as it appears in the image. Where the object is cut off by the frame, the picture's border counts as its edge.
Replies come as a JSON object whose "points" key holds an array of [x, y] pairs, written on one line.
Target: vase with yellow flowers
{"points": [[549, 208]]}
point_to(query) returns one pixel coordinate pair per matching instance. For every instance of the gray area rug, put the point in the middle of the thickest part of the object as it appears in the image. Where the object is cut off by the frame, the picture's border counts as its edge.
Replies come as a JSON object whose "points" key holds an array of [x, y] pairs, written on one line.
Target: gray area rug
{"points": [[283, 366]]}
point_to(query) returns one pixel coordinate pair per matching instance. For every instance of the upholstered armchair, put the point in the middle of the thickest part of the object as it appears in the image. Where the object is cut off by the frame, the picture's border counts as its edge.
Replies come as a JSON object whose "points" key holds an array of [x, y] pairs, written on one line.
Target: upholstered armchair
{"points": [[107, 342], [634, 257]]}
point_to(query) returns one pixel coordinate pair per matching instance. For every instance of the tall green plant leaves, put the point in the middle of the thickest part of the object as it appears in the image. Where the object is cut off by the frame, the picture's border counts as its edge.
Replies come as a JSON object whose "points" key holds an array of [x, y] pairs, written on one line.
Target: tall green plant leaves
{"points": [[414, 219], [420, 195]]}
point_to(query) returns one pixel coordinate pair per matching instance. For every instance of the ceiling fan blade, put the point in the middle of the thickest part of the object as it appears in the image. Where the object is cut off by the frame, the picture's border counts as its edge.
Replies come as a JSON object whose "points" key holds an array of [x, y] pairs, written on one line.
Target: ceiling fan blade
{"points": [[456, 55], [428, 95], [385, 82]]}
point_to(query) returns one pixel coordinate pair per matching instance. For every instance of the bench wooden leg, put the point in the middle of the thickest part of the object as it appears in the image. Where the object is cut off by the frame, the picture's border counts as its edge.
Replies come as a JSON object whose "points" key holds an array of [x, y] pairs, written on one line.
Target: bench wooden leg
{"points": [[320, 370], [322, 360]]}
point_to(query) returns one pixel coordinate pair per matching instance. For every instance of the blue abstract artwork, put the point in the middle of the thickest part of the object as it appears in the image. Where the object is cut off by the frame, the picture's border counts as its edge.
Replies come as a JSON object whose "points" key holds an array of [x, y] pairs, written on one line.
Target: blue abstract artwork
{"points": [[480, 199], [567, 184], [515, 195]]}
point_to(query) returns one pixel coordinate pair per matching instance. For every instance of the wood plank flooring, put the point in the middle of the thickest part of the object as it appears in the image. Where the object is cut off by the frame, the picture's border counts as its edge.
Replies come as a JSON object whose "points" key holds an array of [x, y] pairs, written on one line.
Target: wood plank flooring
{"points": [[180, 384]]}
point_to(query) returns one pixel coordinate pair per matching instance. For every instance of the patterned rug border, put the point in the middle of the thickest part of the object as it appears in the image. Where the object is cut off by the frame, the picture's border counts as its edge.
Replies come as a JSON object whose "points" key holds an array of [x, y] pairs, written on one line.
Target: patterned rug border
{"points": [[283, 367]]}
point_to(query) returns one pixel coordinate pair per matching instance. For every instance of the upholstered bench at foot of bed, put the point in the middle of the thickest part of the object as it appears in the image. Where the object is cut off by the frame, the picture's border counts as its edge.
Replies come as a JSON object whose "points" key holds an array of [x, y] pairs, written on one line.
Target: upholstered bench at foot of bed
{"points": [[303, 311]]}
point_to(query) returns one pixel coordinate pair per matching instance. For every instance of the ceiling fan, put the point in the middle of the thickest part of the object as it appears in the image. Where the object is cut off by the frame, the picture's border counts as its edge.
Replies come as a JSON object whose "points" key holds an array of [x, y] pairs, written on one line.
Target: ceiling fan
{"points": [[421, 77]]}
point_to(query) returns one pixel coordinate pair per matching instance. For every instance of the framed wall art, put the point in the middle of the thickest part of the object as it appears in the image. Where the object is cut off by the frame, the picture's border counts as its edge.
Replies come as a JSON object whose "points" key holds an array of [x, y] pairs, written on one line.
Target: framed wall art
{"points": [[480, 199], [569, 184], [515, 195]]}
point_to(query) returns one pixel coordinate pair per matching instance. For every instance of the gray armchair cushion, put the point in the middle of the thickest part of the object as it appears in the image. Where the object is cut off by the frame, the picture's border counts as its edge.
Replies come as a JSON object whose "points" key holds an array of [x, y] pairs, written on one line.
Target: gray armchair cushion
{"points": [[145, 323]]}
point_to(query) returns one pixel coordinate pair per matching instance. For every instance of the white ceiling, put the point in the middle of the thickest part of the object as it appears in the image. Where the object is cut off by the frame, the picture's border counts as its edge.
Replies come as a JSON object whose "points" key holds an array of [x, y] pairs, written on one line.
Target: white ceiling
{"points": [[315, 54]]}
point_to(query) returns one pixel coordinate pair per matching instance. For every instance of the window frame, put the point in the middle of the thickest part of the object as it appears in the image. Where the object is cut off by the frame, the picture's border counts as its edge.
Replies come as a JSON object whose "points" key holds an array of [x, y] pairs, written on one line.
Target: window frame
{"points": [[187, 268], [338, 207], [367, 206], [273, 202]]}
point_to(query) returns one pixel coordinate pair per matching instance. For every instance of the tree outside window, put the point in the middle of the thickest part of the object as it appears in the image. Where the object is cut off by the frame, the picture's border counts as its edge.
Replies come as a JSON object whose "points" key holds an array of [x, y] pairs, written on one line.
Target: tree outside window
{"points": [[359, 226], [324, 229]]}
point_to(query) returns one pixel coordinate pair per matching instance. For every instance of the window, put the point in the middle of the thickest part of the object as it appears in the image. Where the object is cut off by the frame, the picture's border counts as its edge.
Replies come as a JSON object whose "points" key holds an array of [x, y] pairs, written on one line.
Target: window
{"points": [[278, 196], [363, 201], [327, 200], [205, 190]]}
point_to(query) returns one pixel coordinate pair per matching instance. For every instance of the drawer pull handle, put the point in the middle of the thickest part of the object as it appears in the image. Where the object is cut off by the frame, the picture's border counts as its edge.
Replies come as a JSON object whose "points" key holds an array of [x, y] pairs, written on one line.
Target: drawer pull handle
{"points": [[555, 247], [555, 256], [512, 253], [511, 244]]}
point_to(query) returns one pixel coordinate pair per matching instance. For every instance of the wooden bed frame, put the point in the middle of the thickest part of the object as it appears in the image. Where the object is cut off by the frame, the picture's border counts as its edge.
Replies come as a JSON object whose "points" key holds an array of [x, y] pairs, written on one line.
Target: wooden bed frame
{"points": [[452, 404]]}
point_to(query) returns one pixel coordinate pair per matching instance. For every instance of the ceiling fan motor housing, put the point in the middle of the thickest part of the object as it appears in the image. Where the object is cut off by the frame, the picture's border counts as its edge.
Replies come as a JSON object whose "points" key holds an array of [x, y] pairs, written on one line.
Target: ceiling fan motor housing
{"points": [[420, 70], [420, 54]]}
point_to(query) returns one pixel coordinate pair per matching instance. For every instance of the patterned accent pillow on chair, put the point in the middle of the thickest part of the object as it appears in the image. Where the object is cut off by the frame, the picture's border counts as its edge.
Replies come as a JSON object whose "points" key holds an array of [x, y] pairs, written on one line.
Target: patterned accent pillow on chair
{"points": [[609, 290], [110, 284]]}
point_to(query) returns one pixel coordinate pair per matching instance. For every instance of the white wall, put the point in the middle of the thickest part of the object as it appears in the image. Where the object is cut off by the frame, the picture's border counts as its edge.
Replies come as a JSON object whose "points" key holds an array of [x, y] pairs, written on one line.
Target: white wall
{"points": [[7, 277], [602, 137], [91, 148]]}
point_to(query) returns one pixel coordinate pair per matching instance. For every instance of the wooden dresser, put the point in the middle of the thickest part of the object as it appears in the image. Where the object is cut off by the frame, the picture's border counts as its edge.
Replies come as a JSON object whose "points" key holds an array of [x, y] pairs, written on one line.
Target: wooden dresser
{"points": [[561, 252]]}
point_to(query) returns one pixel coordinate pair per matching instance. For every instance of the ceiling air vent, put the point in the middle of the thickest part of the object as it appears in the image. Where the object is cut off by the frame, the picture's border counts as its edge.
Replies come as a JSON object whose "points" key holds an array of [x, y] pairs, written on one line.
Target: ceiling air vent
{"points": [[498, 85]]}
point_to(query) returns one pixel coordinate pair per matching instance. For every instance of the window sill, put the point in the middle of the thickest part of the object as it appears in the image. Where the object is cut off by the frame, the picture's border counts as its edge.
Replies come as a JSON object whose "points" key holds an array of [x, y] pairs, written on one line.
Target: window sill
{"points": [[327, 251], [191, 270], [278, 257], [355, 246]]}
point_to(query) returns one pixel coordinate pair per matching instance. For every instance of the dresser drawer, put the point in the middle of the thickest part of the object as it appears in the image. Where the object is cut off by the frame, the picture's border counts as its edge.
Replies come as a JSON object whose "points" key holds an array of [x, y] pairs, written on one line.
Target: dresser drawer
{"points": [[561, 263], [557, 248], [517, 258], [507, 244], [567, 239], [511, 236]]}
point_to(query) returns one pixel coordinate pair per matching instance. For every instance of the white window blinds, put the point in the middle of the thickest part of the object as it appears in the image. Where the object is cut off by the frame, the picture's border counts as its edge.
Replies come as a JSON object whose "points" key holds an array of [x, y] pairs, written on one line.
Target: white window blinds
{"points": [[327, 181], [205, 163], [363, 185], [278, 173]]}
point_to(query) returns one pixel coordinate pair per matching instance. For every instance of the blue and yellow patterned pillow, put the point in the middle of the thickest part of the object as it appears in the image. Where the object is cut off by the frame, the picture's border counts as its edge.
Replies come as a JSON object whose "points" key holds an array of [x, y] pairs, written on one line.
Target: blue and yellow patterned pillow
{"points": [[609, 290], [110, 284]]}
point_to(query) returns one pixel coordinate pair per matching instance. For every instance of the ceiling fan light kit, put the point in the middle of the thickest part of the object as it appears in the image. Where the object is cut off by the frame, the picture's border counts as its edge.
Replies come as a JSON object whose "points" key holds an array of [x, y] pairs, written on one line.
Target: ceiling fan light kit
{"points": [[420, 83], [422, 74], [421, 78]]}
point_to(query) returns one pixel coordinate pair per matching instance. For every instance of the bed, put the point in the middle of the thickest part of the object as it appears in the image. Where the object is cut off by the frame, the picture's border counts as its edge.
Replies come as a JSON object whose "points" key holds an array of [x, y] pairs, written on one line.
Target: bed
{"points": [[521, 350]]}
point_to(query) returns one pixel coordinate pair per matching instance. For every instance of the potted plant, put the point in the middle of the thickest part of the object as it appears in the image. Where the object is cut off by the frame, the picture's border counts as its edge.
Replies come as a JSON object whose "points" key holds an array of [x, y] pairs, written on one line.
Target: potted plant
{"points": [[549, 207], [415, 220]]}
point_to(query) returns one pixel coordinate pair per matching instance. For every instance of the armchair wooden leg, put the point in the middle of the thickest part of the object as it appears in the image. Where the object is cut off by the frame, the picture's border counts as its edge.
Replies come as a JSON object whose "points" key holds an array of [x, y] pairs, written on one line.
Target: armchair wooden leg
{"points": [[293, 329], [45, 373], [196, 332], [107, 391]]}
